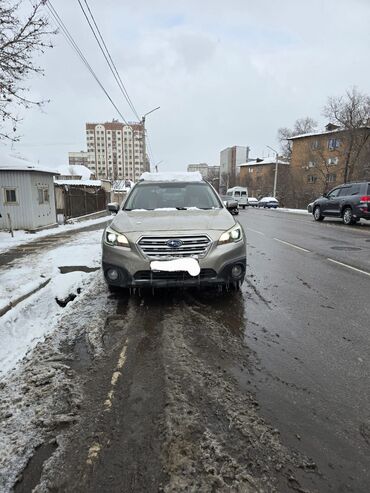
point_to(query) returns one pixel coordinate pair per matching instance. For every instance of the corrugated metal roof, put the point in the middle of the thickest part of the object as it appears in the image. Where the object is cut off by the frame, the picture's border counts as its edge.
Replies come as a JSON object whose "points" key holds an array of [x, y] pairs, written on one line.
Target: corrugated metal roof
{"points": [[30, 168]]}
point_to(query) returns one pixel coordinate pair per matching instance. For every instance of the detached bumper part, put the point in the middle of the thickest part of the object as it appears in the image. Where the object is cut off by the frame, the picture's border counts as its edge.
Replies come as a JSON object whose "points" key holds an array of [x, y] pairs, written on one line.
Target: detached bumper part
{"points": [[231, 272]]}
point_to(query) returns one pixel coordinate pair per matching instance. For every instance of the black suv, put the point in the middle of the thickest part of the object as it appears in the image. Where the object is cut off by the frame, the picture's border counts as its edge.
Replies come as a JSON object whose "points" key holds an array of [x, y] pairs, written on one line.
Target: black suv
{"points": [[350, 201]]}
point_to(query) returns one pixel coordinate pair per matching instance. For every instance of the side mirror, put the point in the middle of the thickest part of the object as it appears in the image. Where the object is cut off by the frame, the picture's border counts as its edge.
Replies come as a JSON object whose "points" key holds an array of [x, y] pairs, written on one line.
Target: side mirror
{"points": [[325, 195], [113, 207]]}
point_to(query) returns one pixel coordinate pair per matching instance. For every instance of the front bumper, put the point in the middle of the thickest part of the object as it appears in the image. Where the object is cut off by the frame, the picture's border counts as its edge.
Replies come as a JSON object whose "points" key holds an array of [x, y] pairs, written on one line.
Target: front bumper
{"points": [[133, 267], [149, 278]]}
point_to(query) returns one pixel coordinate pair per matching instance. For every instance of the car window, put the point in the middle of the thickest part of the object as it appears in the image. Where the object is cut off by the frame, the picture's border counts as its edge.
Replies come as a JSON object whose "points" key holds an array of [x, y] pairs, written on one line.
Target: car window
{"points": [[355, 189], [334, 193], [172, 195], [343, 192], [368, 189], [237, 194], [244, 193]]}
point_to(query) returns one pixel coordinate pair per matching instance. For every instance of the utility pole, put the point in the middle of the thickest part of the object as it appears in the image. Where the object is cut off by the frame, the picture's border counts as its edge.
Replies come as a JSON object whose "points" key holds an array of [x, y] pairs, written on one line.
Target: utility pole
{"points": [[276, 170], [144, 140]]}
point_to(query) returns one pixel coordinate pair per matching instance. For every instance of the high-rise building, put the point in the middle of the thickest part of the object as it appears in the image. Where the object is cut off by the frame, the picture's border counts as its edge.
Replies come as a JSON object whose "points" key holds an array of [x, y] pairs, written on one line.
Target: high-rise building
{"points": [[230, 160], [80, 158], [116, 150]]}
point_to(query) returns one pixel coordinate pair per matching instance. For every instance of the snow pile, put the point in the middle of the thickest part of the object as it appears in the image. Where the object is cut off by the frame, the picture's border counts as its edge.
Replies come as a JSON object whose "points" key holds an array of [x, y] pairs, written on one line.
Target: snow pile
{"points": [[189, 265], [294, 211], [183, 177], [21, 237], [28, 322]]}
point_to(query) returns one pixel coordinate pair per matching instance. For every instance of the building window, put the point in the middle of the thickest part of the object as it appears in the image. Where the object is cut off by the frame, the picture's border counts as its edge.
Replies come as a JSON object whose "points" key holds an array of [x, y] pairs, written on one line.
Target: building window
{"points": [[333, 144], [43, 195], [311, 179], [315, 144], [10, 196], [333, 161], [331, 178], [311, 164]]}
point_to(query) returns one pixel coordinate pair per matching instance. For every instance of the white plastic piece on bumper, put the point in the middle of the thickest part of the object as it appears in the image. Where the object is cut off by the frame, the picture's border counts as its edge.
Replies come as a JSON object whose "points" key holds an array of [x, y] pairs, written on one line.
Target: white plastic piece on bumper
{"points": [[190, 265]]}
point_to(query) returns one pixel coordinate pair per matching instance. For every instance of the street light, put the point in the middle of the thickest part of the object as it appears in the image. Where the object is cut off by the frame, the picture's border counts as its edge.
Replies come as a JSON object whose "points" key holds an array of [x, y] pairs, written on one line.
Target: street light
{"points": [[143, 124], [276, 169]]}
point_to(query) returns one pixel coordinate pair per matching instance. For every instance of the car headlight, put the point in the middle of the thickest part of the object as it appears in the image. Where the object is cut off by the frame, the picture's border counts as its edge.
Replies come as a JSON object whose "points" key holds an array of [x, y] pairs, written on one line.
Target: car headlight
{"points": [[113, 238], [231, 236]]}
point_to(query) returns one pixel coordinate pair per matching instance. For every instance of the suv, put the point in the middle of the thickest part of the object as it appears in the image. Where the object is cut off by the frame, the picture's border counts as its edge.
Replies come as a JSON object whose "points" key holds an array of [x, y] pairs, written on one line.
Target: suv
{"points": [[173, 230], [350, 201]]}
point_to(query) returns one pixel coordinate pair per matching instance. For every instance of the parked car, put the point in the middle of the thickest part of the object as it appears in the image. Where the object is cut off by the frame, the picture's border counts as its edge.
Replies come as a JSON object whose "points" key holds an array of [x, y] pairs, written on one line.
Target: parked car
{"points": [[269, 202], [310, 207], [252, 201], [173, 230], [240, 194], [231, 204], [350, 201]]}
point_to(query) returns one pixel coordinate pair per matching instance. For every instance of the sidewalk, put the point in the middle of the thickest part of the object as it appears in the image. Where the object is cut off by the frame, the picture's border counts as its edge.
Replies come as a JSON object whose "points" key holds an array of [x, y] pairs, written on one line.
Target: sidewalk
{"points": [[24, 244]]}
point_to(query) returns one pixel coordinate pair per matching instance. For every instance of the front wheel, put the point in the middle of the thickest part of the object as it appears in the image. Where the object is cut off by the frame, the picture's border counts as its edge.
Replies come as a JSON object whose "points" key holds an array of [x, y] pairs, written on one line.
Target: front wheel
{"points": [[348, 216], [317, 214]]}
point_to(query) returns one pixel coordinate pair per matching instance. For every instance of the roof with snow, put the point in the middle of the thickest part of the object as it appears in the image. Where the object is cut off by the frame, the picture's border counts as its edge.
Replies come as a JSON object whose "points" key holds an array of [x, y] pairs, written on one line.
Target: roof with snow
{"points": [[122, 185], [185, 176], [267, 160], [9, 162], [75, 170], [327, 132], [79, 183]]}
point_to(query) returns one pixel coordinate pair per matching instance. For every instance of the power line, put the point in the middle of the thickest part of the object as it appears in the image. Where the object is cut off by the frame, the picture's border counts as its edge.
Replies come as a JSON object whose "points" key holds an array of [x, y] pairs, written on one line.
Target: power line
{"points": [[107, 55], [74, 45]]}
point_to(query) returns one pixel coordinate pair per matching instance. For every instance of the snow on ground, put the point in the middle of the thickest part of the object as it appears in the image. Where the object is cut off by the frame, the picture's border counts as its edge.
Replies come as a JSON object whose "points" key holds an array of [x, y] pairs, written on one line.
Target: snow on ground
{"points": [[294, 211], [22, 237], [28, 322]]}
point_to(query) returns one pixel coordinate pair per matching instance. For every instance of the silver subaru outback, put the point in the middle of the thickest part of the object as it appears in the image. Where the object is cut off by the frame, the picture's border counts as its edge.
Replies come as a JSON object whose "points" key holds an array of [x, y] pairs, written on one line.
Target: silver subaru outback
{"points": [[173, 230]]}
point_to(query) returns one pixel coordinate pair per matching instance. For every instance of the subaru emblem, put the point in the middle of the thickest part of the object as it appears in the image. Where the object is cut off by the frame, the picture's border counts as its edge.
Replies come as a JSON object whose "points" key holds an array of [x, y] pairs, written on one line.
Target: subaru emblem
{"points": [[174, 243]]}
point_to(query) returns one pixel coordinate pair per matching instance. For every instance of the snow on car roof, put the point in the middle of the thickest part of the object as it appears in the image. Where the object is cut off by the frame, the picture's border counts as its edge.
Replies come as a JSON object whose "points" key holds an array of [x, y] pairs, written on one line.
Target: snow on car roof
{"points": [[268, 199], [185, 176]]}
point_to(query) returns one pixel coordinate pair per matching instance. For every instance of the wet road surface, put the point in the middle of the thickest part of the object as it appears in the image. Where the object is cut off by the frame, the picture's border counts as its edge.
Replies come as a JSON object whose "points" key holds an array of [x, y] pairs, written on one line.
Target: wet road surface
{"points": [[261, 390]]}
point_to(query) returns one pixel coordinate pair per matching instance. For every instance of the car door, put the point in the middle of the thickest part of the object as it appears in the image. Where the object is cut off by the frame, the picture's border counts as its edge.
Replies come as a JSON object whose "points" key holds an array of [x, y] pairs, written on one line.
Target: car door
{"points": [[343, 197], [331, 204]]}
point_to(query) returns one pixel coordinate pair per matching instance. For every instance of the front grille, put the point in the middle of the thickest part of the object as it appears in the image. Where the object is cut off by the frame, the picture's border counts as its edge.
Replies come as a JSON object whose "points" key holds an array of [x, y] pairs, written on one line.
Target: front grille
{"points": [[191, 246], [149, 275]]}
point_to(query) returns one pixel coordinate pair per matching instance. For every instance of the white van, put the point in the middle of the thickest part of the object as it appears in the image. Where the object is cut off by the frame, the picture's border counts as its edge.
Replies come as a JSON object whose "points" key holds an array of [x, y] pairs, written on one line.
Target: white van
{"points": [[240, 194]]}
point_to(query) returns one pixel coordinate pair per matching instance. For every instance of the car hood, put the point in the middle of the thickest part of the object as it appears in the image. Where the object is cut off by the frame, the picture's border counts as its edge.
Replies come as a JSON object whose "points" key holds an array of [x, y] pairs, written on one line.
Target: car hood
{"points": [[164, 220]]}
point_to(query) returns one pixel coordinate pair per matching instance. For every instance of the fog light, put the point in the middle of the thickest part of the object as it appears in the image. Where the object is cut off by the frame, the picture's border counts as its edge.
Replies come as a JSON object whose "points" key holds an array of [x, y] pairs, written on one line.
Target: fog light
{"points": [[236, 271], [112, 274]]}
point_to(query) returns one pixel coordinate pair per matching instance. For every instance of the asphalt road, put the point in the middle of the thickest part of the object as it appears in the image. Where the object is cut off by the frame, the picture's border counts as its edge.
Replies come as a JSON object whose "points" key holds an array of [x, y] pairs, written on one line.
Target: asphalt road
{"points": [[311, 339], [262, 390]]}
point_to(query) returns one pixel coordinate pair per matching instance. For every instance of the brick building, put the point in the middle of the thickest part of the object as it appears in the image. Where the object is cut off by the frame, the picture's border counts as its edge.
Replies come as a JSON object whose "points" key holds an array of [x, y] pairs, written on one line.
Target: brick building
{"points": [[323, 160], [116, 150], [258, 176]]}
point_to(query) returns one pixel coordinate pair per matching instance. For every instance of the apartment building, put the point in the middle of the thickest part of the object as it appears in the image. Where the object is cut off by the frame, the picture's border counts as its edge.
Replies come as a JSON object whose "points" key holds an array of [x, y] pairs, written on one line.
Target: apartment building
{"points": [[259, 176], [230, 160], [322, 160], [116, 151], [78, 158]]}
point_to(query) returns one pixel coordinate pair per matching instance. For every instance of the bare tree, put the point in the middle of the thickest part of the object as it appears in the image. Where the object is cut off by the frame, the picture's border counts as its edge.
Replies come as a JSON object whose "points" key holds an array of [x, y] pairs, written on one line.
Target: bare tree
{"points": [[301, 126], [351, 113], [20, 38]]}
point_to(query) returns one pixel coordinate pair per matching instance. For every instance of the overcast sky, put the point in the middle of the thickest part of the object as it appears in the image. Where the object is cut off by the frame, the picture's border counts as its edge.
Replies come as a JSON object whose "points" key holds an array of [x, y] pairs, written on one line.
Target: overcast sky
{"points": [[223, 72]]}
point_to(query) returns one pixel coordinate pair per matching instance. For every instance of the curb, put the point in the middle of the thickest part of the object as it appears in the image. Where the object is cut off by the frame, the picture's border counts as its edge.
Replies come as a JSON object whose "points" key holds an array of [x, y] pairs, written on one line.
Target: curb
{"points": [[15, 302]]}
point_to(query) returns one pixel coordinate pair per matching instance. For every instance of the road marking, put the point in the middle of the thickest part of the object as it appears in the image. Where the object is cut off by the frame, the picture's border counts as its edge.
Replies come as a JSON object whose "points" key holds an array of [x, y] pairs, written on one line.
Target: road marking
{"points": [[93, 453], [95, 449], [255, 231], [349, 266], [292, 245], [115, 376]]}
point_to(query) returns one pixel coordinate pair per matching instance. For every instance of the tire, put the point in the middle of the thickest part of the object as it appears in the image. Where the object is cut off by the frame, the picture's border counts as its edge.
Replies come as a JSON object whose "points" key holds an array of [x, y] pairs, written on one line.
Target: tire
{"points": [[347, 215], [243, 206], [317, 214]]}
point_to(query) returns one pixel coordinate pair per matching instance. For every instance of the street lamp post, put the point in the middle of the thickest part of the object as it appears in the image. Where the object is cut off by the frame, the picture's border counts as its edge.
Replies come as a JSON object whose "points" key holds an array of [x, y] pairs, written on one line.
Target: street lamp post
{"points": [[276, 169], [143, 123]]}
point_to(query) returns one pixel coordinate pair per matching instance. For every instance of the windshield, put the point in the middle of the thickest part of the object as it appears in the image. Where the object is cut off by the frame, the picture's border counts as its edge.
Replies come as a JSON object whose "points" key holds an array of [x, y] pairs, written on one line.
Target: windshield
{"points": [[181, 196]]}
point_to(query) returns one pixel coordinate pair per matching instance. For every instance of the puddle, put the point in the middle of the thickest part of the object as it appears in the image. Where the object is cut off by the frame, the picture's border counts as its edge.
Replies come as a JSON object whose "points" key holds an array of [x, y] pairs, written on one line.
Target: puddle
{"points": [[345, 248], [32, 472], [66, 269], [81, 355]]}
